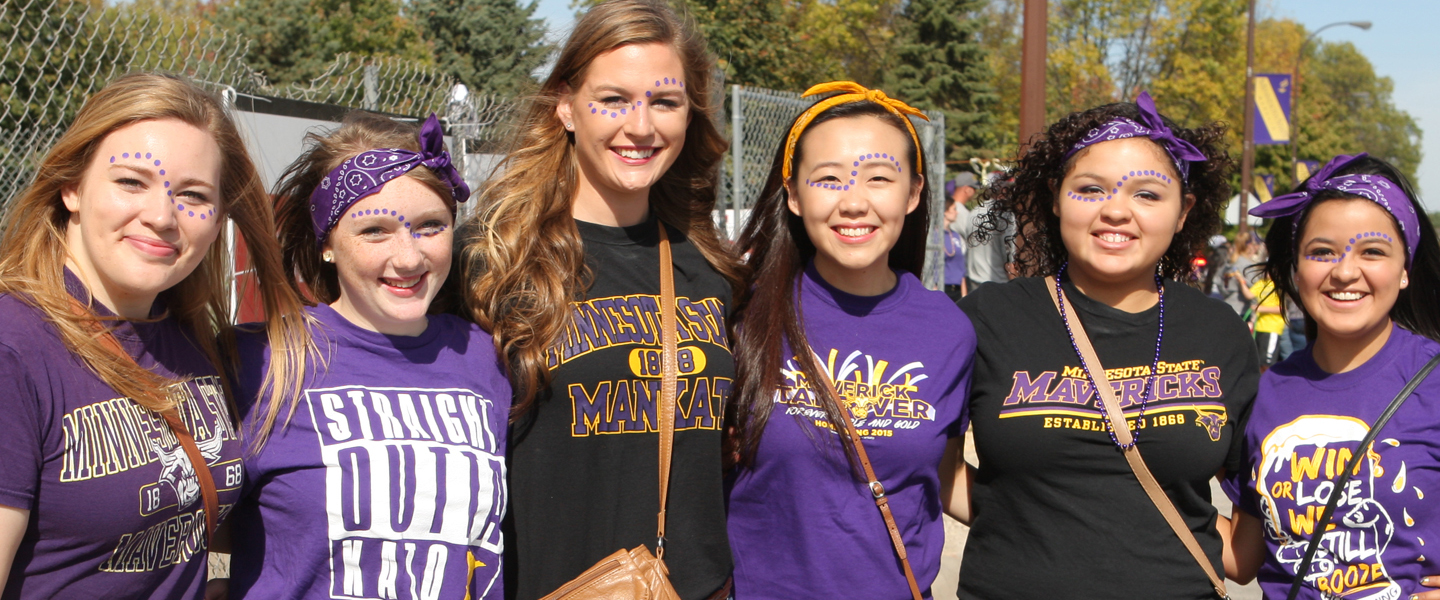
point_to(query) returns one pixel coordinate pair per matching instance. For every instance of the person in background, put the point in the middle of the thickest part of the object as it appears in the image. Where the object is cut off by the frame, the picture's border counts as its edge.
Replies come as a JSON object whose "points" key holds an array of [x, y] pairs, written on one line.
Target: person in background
{"points": [[1217, 259], [1268, 321], [118, 455], [954, 244], [1294, 339], [985, 261], [1235, 282]]}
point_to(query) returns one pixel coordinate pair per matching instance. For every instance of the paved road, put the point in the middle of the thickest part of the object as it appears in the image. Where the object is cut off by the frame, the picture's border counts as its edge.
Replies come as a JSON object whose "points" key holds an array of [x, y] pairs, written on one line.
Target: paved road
{"points": [[955, 534]]}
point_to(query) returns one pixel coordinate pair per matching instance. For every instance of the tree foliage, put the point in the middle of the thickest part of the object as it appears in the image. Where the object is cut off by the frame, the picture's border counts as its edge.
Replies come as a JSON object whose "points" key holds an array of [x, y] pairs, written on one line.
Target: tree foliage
{"points": [[755, 42], [940, 65], [491, 46], [293, 41]]}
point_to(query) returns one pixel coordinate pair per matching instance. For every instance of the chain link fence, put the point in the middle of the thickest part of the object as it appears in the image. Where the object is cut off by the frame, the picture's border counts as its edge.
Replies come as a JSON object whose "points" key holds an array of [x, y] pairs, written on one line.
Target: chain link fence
{"points": [[759, 121], [57, 53]]}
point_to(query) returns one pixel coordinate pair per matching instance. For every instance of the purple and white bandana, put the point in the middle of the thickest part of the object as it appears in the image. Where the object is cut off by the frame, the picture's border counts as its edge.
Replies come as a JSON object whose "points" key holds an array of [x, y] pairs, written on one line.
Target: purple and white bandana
{"points": [[367, 172], [1151, 126], [1375, 188]]}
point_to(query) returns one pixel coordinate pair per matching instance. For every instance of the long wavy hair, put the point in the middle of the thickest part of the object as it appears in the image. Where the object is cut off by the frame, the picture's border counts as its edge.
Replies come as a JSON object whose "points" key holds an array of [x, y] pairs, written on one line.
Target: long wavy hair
{"points": [[523, 255], [1417, 308], [33, 249], [311, 278], [1026, 199], [769, 318]]}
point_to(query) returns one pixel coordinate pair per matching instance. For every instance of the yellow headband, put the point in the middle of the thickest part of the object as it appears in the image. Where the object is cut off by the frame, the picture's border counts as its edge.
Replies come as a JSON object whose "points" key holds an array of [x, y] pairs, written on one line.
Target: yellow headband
{"points": [[854, 93]]}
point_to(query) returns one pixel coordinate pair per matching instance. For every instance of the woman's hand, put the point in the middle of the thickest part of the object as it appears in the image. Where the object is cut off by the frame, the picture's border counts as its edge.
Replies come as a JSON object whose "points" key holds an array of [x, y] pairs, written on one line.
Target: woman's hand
{"points": [[1429, 582]]}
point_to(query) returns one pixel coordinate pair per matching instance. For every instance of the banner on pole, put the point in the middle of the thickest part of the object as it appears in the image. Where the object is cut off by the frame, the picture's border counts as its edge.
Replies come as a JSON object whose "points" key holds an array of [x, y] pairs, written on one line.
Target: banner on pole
{"points": [[1265, 187], [1303, 169], [1272, 108]]}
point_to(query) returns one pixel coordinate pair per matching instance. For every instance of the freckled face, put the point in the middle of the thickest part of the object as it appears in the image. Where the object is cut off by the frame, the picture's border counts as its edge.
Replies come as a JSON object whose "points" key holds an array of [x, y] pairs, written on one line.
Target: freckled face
{"points": [[145, 211], [392, 252], [1351, 267], [853, 188], [1119, 208], [629, 117]]}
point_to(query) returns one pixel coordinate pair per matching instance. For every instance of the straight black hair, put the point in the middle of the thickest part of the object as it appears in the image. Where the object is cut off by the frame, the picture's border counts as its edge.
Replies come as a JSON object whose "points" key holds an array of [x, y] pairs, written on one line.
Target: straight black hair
{"points": [[1418, 306], [779, 249]]}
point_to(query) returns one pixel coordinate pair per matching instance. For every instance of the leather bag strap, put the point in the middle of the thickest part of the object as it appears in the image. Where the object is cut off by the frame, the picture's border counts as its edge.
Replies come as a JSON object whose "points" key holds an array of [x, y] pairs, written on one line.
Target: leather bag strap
{"points": [[1350, 468], [877, 490], [669, 373], [171, 416], [1091, 363]]}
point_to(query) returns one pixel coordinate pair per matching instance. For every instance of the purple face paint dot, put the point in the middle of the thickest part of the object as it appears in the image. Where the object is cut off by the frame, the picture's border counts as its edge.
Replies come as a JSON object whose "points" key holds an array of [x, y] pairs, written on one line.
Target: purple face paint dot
{"points": [[167, 184], [1352, 240], [622, 111], [900, 169], [202, 216], [147, 155], [112, 159], [639, 102], [179, 207], [590, 104], [1347, 248], [162, 172], [657, 83], [401, 218], [169, 193], [852, 182], [682, 84], [407, 225], [614, 114], [192, 213], [857, 163], [1125, 178]]}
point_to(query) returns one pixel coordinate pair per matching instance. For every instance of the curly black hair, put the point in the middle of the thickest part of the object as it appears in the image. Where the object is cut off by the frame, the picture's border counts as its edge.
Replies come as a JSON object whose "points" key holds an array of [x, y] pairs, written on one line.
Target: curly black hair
{"points": [[1023, 202]]}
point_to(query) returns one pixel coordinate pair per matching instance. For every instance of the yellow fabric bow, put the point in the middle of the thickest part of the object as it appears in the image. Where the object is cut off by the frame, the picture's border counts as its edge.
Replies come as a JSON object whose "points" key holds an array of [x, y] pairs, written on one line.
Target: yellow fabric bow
{"points": [[854, 93]]}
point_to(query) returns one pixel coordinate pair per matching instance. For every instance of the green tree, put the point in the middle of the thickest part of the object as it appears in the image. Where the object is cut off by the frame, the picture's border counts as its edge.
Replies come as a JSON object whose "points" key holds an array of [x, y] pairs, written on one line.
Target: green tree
{"points": [[293, 41], [754, 42], [491, 46], [940, 66]]}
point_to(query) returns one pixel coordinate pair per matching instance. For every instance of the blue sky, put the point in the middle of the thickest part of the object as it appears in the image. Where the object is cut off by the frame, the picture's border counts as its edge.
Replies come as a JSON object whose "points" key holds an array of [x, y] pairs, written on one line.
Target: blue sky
{"points": [[1403, 45]]}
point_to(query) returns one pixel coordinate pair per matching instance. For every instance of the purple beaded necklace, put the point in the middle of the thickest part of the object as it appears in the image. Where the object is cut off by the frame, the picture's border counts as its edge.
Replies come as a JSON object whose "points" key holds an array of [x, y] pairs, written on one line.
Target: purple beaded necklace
{"points": [[1154, 367]]}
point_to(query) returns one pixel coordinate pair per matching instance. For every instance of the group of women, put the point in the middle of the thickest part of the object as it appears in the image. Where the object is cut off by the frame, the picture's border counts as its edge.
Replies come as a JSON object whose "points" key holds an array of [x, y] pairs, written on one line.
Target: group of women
{"points": [[434, 409]]}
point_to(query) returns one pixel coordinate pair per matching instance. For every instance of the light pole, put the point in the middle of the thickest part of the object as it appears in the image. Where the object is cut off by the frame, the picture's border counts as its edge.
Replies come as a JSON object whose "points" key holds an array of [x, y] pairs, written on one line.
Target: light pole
{"points": [[1295, 93]]}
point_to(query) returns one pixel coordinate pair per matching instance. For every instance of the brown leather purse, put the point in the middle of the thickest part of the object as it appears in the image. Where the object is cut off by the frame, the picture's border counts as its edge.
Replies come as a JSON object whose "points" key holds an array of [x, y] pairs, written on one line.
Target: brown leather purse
{"points": [[877, 490], [172, 418], [1132, 451], [636, 574]]}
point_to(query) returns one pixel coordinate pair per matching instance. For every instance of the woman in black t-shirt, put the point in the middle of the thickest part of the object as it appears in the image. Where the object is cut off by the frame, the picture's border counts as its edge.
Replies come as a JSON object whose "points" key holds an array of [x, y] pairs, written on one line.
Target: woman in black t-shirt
{"points": [[563, 265], [1114, 201]]}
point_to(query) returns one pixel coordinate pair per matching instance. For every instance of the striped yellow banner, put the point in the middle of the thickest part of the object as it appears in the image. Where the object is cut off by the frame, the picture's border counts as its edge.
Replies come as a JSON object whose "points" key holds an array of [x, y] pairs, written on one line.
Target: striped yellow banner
{"points": [[1262, 190], [1270, 111]]}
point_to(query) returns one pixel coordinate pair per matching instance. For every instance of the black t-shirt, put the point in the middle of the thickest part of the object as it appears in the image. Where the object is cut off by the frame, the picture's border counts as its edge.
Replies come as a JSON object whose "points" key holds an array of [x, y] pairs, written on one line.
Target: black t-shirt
{"points": [[1057, 510], [584, 465]]}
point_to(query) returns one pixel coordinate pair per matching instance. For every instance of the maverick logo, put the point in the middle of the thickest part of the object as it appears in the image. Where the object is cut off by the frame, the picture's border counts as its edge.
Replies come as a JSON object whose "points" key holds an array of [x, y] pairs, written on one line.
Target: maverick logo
{"points": [[876, 399]]}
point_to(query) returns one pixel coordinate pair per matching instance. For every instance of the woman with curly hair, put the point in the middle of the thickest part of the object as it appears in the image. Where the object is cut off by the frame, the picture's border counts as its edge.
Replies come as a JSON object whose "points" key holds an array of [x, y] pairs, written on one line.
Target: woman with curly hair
{"points": [[1112, 203], [616, 155]]}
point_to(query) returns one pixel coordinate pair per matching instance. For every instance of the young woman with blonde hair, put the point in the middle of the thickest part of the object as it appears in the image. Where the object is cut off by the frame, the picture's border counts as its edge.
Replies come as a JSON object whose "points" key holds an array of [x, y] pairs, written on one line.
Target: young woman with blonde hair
{"points": [[115, 275], [564, 268]]}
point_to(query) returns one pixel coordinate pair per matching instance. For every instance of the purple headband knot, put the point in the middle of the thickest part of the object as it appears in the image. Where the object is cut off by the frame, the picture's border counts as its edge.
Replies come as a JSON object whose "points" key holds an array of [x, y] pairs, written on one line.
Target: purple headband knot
{"points": [[1150, 126], [367, 172], [1375, 188]]}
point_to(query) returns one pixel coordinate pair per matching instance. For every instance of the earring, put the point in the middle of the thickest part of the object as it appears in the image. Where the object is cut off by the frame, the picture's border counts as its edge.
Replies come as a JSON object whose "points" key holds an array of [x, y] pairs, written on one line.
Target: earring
{"points": [[328, 256], [569, 127]]}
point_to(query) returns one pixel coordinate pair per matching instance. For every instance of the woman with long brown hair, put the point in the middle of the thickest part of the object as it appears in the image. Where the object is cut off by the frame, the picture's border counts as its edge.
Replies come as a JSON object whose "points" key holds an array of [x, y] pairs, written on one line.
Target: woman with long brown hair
{"points": [[114, 318], [564, 268]]}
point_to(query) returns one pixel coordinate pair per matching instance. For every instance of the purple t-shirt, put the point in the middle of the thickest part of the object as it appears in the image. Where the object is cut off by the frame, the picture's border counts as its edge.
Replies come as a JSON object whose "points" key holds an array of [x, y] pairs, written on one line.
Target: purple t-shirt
{"points": [[801, 525], [1304, 426], [115, 506], [954, 258], [389, 481]]}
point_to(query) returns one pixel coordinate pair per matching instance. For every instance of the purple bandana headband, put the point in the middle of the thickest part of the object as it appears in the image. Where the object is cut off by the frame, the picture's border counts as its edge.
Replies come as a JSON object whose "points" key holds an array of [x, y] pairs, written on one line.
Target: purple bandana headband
{"points": [[1150, 126], [367, 172], [1375, 188]]}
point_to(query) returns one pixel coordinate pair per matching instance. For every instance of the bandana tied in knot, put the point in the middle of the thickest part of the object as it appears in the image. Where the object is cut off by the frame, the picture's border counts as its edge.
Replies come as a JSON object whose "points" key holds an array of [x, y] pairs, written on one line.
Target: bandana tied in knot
{"points": [[367, 172], [1375, 188], [1150, 126], [854, 92]]}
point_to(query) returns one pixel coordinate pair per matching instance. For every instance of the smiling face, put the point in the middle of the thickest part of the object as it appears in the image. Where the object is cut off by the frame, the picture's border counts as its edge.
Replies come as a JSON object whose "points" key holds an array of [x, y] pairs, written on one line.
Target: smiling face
{"points": [[852, 189], [1351, 268], [629, 117], [1119, 207], [145, 212], [392, 254]]}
